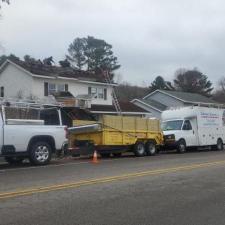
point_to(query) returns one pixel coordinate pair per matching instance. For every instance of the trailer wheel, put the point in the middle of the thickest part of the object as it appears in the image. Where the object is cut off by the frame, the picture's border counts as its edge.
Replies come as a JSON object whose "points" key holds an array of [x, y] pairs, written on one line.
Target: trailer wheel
{"points": [[40, 153], [181, 146], [117, 155], [219, 145], [14, 159], [139, 149], [150, 148]]}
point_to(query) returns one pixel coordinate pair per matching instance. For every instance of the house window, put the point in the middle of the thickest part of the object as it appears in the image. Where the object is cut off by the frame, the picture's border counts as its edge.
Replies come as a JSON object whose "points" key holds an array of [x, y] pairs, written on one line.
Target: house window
{"points": [[51, 88], [61, 87], [93, 92], [2, 92], [100, 93]]}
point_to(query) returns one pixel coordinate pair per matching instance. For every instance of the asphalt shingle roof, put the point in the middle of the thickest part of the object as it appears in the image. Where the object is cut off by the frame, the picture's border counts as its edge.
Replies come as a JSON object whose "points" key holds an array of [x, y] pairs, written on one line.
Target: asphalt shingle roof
{"points": [[190, 97], [154, 104]]}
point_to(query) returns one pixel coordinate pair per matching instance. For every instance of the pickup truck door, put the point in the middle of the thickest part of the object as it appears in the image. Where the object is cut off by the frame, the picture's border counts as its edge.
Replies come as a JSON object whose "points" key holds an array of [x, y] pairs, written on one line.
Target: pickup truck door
{"points": [[190, 133]]}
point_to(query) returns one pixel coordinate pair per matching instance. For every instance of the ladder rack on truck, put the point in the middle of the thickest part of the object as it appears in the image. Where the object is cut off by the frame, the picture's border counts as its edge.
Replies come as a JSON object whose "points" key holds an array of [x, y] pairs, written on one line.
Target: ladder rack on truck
{"points": [[115, 135]]}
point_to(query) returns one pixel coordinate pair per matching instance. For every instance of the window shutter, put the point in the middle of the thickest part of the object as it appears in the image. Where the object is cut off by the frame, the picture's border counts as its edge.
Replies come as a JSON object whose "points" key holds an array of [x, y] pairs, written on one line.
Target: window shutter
{"points": [[46, 89], [66, 87], [105, 93], [89, 90]]}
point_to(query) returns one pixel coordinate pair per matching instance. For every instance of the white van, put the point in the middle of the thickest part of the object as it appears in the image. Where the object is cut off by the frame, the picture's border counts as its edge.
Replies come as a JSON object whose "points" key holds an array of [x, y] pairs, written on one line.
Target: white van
{"points": [[194, 126]]}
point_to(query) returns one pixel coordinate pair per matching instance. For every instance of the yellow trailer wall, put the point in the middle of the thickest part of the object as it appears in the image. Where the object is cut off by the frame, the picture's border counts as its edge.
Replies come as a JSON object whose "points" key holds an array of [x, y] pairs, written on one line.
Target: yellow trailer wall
{"points": [[121, 130]]}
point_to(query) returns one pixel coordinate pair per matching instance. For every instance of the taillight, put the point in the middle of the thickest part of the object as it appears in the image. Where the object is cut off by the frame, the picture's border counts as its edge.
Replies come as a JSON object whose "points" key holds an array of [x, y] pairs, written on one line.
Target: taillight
{"points": [[66, 132]]}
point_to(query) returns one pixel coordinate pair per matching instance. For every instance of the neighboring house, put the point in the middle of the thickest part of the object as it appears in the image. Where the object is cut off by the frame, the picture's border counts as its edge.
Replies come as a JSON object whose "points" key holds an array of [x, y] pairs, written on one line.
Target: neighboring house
{"points": [[19, 79], [160, 100]]}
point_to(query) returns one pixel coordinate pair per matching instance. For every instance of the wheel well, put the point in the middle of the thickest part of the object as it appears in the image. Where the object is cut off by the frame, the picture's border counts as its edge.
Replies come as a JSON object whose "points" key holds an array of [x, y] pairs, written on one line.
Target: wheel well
{"points": [[49, 139], [182, 139], [220, 139], [151, 140]]}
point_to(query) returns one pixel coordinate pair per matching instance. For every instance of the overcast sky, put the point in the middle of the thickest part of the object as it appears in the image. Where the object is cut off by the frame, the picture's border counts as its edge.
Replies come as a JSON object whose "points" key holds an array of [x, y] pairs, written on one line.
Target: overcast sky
{"points": [[149, 37]]}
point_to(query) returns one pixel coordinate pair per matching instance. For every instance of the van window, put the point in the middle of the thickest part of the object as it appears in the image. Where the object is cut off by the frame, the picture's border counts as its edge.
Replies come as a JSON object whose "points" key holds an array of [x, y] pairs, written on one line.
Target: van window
{"points": [[187, 125], [172, 125]]}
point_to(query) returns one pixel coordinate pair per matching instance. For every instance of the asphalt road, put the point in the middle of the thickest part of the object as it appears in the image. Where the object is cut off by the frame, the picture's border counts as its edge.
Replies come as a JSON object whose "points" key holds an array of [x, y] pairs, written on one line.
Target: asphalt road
{"points": [[174, 189]]}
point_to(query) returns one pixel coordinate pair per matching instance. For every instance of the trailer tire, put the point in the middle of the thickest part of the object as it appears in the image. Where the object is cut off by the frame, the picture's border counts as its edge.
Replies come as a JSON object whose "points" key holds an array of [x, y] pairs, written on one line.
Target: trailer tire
{"points": [[139, 149], [150, 148], [12, 160], [40, 153], [181, 146], [105, 155], [117, 154]]}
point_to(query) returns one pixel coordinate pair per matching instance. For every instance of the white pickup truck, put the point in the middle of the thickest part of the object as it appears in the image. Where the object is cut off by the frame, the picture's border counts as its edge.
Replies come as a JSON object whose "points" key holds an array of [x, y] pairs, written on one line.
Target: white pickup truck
{"points": [[35, 138]]}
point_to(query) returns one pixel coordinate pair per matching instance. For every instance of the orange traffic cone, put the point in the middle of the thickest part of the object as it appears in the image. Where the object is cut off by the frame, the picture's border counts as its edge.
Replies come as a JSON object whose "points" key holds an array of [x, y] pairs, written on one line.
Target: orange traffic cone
{"points": [[95, 157]]}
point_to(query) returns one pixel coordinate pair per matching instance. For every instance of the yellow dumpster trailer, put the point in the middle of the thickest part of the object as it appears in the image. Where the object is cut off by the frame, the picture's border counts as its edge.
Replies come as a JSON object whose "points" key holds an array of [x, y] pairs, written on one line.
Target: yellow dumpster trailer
{"points": [[115, 135]]}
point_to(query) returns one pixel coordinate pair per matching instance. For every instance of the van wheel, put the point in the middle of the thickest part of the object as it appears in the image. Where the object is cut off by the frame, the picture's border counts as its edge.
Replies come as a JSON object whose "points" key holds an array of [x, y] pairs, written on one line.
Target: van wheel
{"points": [[150, 148], [14, 160], [40, 153], [219, 145], [181, 146], [139, 149]]}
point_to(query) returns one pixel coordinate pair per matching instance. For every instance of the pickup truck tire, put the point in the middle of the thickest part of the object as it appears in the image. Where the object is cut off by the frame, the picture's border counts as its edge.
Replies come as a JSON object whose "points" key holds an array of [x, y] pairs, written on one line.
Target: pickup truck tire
{"points": [[181, 146], [40, 153], [12, 160], [150, 148], [139, 149]]}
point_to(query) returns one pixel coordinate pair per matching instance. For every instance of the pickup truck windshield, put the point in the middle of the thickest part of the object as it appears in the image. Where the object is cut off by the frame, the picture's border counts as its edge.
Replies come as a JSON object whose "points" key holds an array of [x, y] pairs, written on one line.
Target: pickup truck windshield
{"points": [[172, 125]]}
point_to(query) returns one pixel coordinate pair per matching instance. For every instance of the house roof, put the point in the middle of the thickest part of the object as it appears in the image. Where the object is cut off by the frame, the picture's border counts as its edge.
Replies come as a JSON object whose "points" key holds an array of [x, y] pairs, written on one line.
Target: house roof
{"points": [[42, 70], [185, 97], [155, 104], [125, 107]]}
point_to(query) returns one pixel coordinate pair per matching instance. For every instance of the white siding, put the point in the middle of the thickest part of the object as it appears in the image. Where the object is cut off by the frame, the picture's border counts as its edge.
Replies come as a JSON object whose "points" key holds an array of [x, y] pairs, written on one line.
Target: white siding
{"points": [[15, 81]]}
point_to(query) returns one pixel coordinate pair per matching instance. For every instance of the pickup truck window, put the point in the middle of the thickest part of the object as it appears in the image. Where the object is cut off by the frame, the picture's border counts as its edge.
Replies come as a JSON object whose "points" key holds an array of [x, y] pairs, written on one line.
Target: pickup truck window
{"points": [[50, 116]]}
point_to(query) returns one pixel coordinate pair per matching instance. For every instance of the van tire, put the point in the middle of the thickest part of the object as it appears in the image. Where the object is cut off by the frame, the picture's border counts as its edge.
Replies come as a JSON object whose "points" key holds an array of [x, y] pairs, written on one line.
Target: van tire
{"points": [[219, 145], [181, 146], [150, 148], [12, 160], [40, 153], [139, 149]]}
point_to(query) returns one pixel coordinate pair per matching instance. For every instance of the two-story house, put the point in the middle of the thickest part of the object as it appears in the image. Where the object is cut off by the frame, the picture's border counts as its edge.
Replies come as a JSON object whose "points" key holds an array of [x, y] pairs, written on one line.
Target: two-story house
{"points": [[37, 81], [19, 79]]}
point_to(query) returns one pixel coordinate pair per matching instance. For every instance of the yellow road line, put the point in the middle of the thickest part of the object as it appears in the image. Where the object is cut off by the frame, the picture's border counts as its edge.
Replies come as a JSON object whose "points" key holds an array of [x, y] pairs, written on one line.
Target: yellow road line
{"points": [[6, 195]]}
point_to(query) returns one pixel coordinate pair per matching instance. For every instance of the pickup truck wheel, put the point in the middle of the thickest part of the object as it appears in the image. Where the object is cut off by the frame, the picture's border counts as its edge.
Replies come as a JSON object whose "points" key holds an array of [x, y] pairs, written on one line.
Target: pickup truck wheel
{"points": [[139, 149], [40, 153], [14, 160], [150, 148], [181, 146]]}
